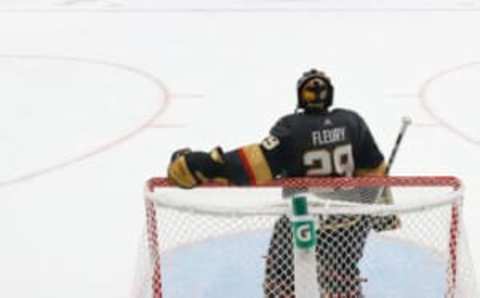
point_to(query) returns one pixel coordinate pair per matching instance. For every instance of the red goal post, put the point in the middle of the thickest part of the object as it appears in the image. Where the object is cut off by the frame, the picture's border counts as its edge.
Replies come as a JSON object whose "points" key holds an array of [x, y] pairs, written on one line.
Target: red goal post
{"points": [[450, 181], [180, 224]]}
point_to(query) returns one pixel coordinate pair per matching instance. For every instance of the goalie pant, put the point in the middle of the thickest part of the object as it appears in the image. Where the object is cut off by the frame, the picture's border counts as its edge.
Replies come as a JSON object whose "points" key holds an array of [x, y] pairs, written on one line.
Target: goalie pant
{"points": [[340, 243]]}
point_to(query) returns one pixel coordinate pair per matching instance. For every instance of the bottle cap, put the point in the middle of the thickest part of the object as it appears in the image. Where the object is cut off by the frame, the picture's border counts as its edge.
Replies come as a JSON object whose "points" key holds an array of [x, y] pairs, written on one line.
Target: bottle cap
{"points": [[300, 205]]}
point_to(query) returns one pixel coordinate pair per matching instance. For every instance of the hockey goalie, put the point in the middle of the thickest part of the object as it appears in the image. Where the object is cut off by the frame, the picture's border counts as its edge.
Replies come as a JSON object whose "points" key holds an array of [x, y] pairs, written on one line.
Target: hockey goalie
{"points": [[318, 141]]}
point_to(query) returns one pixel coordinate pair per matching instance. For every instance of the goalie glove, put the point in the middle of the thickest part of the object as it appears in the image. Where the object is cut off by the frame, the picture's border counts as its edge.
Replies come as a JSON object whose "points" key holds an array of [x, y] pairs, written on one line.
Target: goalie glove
{"points": [[388, 222], [180, 152], [179, 172], [188, 169], [385, 197]]}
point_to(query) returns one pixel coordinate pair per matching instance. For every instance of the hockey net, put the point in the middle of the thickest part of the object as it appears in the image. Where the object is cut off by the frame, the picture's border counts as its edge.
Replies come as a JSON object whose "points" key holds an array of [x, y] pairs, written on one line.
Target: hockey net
{"points": [[223, 241]]}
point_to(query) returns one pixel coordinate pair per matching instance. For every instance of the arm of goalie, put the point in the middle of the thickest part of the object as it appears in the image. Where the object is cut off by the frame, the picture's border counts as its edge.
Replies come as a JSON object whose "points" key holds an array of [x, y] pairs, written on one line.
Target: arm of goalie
{"points": [[387, 222]]}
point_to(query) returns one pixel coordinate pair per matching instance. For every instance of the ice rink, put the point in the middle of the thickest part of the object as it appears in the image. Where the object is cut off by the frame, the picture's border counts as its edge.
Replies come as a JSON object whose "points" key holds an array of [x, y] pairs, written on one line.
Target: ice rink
{"points": [[95, 95]]}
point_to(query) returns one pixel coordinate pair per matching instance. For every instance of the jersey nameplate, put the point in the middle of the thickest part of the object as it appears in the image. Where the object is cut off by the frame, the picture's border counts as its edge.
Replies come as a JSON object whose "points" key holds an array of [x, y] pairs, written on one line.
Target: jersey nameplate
{"points": [[328, 136]]}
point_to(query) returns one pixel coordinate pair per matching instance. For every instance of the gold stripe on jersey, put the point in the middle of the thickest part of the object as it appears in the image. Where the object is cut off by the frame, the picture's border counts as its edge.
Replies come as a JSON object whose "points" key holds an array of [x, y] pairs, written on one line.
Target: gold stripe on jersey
{"points": [[338, 222], [257, 163], [378, 171], [203, 179], [180, 174]]}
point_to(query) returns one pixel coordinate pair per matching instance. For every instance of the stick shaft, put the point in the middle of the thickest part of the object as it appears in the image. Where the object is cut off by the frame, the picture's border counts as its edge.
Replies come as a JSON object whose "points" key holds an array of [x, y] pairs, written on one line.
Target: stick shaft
{"points": [[398, 141]]}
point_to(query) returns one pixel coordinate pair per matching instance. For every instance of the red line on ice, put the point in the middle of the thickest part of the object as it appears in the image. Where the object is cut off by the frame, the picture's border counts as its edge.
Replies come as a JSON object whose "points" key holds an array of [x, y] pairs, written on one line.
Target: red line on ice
{"points": [[104, 147], [422, 94]]}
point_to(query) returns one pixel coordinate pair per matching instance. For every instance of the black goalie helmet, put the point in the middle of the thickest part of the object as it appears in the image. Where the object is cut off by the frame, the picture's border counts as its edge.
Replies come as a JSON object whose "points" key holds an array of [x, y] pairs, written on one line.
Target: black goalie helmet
{"points": [[314, 91]]}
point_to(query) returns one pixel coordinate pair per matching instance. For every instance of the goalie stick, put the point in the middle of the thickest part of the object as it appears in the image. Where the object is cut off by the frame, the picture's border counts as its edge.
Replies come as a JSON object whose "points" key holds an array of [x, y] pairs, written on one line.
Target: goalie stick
{"points": [[406, 121], [390, 222]]}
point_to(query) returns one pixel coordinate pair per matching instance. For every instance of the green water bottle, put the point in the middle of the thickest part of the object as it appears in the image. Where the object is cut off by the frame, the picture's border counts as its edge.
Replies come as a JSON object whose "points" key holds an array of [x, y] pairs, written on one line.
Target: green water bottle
{"points": [[303, 225]]}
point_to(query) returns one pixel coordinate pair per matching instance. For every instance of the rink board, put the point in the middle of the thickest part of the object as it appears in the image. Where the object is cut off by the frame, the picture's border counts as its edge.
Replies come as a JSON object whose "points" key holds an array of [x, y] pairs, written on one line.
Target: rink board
{"points": [[209, 269]]}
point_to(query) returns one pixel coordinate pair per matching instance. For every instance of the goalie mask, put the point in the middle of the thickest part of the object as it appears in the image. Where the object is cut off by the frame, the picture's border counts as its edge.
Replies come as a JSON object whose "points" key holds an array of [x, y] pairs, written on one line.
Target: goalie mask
{"points": [[314, 91]]}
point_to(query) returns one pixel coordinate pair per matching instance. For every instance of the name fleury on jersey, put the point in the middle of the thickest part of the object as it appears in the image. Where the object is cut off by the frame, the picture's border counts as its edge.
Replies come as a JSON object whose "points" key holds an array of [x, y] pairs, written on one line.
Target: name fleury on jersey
{"points": [[328, 136]]}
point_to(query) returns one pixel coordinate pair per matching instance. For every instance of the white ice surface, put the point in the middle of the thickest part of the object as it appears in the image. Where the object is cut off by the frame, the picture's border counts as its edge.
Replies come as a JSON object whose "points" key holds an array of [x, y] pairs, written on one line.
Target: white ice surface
{"points": [[95, 95]]}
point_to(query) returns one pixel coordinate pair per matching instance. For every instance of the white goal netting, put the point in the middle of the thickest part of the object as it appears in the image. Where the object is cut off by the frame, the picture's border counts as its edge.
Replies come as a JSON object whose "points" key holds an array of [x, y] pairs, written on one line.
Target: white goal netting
{"points": [[236, 242]]}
